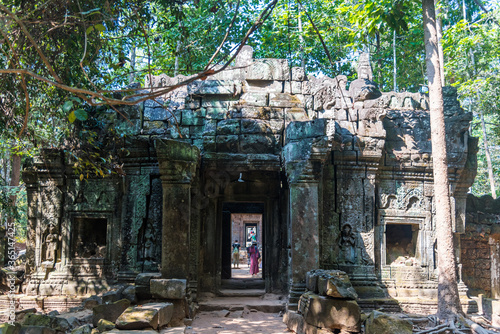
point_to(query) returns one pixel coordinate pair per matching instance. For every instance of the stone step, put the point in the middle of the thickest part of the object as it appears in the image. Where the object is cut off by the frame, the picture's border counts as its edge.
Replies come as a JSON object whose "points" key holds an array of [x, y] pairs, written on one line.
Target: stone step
{"points": [[262, 304], [243, 284], [242, 292]]}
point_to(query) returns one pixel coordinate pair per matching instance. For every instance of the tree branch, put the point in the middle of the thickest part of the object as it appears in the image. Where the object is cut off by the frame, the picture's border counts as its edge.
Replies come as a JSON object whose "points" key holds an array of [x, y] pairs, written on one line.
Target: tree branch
{"points": [[92, 97], [225, 36], [35, 45], [480, 4]]}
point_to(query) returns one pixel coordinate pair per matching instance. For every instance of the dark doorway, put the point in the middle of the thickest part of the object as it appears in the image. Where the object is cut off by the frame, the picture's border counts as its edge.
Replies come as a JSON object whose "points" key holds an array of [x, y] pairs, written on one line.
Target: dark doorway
{"points": [[88, 238], [233, 216]]}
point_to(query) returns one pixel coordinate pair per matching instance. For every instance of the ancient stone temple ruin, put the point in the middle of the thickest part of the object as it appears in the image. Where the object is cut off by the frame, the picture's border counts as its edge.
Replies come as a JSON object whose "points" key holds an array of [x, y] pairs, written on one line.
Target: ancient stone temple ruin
{"points": [[339, 173]]}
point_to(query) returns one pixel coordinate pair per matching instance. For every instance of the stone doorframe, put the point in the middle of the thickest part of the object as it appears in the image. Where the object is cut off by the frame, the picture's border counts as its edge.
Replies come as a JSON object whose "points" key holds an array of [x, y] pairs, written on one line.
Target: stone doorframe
{"points": [[229, 208], [420, 223]]}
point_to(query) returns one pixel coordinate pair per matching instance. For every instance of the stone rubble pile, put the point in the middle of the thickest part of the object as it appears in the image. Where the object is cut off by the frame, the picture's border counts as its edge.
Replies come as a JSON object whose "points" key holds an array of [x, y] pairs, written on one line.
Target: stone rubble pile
{"points": [[164, 308]]}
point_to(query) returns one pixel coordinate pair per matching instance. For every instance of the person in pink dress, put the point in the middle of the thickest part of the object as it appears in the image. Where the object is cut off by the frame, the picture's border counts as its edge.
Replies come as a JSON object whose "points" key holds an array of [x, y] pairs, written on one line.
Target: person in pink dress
{"points": [[254, 254]]}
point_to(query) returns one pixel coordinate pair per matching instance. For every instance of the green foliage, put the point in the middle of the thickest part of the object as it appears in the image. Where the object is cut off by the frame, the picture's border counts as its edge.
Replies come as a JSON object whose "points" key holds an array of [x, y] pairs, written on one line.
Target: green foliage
{"points": [[472, 65]]}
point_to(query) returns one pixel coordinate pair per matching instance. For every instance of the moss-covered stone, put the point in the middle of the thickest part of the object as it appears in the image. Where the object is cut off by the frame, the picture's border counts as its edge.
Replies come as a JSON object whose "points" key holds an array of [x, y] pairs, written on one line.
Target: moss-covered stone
{"points": [[105, 325], [9, 329], [58, 324], [383, 323]]}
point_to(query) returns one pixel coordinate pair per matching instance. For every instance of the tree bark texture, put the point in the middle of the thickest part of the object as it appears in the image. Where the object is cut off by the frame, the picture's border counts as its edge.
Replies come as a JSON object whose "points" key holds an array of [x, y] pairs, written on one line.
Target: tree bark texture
{"points": [[448, 298], [440, 46]]}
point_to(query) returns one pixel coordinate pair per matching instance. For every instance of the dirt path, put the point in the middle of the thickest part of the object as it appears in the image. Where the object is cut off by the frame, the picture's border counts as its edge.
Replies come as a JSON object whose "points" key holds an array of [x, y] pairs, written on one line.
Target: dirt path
{"points": [[238, 322]]}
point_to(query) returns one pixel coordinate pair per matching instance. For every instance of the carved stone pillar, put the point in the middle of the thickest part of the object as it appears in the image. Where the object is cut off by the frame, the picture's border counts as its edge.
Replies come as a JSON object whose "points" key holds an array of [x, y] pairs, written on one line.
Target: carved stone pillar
{"points": [[178, 164], [304, 155]]}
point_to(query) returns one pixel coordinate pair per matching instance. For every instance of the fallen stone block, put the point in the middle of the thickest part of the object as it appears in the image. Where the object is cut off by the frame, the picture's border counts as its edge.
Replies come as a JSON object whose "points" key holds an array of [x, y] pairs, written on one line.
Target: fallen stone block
{"points": [[36, 330], [330, 313], [113, 296], [6, 328], [22, 313], [109, 312], [85, 329], [294, 321], [129, 293], [336, 284], [153, 315], [383, 323], [168, 288], [105, 325], [142, 289], [42, 320]]}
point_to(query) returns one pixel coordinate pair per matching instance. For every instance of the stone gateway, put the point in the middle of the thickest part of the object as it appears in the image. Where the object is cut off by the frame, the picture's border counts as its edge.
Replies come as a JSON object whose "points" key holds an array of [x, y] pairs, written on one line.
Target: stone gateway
{"points": [[340, 172]]}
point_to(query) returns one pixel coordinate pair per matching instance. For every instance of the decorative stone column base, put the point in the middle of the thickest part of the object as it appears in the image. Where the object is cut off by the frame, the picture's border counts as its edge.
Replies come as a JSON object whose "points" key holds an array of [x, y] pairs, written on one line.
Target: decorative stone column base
{"points": [[296, 290]]}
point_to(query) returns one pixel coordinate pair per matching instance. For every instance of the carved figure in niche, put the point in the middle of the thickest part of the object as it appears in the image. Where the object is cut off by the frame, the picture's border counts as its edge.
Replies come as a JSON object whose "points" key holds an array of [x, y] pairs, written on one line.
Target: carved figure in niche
{"points": [[149, 244], [51, 244], [347, 244]]}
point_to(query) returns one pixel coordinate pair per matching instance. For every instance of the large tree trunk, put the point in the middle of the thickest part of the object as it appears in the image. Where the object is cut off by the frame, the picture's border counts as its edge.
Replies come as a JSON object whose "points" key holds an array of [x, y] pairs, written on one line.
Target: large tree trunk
{"points": [[440, 46], [448, 299], [488, 157]]}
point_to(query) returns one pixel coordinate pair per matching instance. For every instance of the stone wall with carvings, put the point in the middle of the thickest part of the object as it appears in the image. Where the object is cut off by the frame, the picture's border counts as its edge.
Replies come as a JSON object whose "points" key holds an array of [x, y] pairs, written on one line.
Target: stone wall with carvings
{"points": [[479, 246], [351, 170]]}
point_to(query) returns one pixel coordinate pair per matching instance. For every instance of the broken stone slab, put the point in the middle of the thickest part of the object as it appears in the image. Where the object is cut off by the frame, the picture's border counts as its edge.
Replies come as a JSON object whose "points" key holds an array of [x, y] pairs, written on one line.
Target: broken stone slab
{"points": [[91, 302], [53, 322], [129, 293], [7, 328], [152, 315], [36, 330], [20, 314], [295, 322], [109, 312], [84, 329], [168, 288], [77, 318], [383, 323], [104, 325], [142, 288], [112, 296], [330, 313], [336, 284]]}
